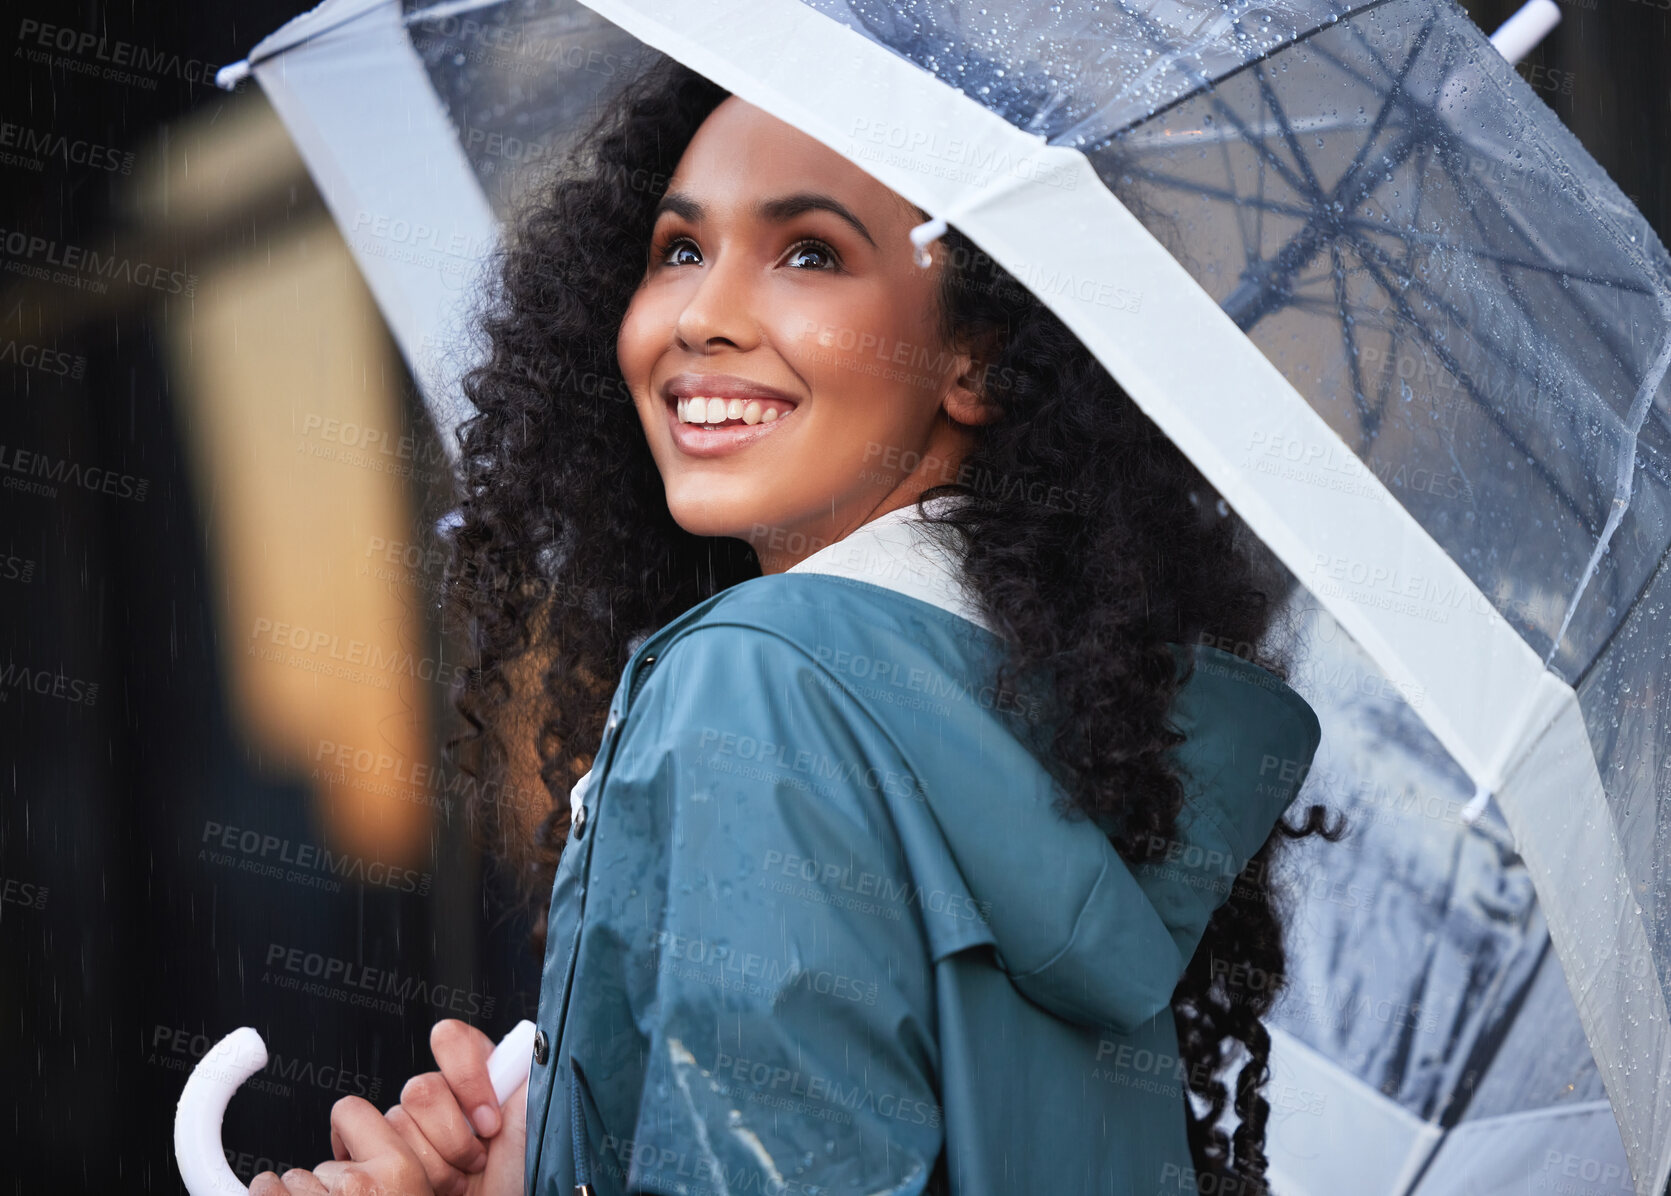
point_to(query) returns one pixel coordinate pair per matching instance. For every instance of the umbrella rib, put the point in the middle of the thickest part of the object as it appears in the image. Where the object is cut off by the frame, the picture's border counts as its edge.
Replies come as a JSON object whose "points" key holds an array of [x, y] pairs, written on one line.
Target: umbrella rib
{"points": [[1149, 174], [1254, 298], [1250, 244], [1371, 421], [1313, 185], [1207, 89], [1368, 252], [1462, 376], [1429, 239], [1385, 395], [1395, 95], [1359, 224]]}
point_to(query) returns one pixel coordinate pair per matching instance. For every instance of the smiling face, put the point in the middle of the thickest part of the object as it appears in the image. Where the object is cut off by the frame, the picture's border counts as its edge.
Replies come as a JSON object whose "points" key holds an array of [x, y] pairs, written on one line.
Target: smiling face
{"points": [[783, 349]]}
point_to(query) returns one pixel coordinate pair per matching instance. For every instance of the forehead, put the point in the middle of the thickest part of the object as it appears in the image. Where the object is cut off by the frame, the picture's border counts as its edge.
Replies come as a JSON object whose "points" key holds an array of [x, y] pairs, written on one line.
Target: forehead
{"points": [[741, 153]]}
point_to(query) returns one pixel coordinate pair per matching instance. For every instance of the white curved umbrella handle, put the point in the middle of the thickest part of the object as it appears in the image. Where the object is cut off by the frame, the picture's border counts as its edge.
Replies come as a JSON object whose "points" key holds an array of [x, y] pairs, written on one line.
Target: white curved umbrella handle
{"points": [[237, 1057]]}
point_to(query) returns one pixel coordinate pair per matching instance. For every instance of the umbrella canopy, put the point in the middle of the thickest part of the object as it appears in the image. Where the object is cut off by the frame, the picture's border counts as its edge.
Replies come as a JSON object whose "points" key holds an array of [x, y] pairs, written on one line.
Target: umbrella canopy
{"points": [[1401, 320]]}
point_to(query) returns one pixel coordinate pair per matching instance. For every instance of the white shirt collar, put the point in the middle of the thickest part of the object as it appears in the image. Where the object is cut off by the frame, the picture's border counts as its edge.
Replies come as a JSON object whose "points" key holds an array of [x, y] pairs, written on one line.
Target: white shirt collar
{"points": [[895, 551], [898, 551]]}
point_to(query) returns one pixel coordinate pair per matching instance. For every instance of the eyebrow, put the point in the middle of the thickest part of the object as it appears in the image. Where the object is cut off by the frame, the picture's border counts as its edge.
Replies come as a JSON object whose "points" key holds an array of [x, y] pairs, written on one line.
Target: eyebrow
{"points": [[778, 211]]}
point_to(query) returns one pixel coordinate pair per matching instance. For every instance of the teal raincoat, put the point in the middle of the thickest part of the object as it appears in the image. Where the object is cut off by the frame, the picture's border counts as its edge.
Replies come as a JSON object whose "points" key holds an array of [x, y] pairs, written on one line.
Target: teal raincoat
{"points": [[821, 926]]}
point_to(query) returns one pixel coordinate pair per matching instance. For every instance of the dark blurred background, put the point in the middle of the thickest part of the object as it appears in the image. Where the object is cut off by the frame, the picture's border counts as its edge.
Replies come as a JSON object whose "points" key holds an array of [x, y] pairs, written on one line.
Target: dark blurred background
{"points": [[225, 674]]}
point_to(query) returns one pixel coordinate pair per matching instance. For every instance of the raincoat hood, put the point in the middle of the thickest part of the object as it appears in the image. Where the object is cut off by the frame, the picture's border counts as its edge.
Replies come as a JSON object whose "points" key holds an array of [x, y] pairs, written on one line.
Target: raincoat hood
{"points": [[1064, 925], [1067, 921]]}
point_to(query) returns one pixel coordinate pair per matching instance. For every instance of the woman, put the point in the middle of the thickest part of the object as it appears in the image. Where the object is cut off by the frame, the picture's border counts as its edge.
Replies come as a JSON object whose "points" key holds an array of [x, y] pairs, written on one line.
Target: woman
{"points": [[905, 857]]}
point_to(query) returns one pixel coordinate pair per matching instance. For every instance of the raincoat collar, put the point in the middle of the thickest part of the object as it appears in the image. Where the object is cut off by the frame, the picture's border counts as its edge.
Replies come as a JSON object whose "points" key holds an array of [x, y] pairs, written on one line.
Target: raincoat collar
{"points": [[899, 551]]}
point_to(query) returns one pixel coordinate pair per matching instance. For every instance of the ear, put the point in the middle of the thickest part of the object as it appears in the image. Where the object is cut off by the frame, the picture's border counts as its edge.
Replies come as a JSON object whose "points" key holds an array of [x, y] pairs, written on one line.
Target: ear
{"points": [[968, 398]]}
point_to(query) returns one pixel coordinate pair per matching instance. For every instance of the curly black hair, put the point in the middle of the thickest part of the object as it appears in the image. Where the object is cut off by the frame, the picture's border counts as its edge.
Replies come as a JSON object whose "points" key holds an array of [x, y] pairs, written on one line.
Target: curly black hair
{"points": [[1092, 543]]}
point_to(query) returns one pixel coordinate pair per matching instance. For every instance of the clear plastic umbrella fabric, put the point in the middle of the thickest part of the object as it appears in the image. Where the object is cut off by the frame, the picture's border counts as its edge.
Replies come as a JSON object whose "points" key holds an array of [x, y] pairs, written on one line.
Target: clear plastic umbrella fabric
{"points": [[1402, 322]]}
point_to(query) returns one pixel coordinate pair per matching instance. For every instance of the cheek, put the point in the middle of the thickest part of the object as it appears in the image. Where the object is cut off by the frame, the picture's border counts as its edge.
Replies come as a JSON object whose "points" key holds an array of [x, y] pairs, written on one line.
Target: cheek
{"points": [[646, 332], [632, 345], [878, 346]]}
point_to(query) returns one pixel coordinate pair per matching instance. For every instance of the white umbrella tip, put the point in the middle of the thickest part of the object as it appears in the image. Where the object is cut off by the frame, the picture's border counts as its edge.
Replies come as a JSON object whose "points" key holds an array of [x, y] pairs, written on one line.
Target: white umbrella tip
{"points": [[232, 74], [1519, 35], [922, 234]]}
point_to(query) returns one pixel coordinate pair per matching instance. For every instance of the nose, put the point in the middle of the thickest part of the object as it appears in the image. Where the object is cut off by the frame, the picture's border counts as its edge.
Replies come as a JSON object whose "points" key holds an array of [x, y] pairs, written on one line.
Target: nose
{"points": [[719, 309]]}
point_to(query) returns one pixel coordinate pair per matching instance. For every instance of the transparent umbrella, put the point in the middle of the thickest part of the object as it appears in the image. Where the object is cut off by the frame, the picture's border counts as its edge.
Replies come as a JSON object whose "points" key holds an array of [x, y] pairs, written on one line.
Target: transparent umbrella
{"points": [[1401, 321]]}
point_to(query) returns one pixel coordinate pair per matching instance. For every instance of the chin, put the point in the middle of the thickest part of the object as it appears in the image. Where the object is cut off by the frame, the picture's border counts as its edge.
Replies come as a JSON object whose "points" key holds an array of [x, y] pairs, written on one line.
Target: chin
{"points": [[711, 517]]}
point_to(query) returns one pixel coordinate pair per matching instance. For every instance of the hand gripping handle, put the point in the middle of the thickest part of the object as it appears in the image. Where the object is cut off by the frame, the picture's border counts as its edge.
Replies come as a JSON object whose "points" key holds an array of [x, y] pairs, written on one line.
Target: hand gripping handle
{"points": [[237, 1057]]}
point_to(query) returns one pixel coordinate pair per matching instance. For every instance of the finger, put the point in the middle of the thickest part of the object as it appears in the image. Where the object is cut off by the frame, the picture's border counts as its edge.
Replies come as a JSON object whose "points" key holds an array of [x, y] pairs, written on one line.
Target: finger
{"points": [[300, 1182], [443, 1176], [296, 1182], [383, 1165], [364, 1134], [430, 1103], [461, 1052], [357, 1179]]}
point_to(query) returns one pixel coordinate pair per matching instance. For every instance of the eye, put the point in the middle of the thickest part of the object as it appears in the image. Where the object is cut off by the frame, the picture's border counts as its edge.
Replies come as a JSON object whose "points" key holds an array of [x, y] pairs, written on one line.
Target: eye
{"points": [[817, 248], [666, 245]]}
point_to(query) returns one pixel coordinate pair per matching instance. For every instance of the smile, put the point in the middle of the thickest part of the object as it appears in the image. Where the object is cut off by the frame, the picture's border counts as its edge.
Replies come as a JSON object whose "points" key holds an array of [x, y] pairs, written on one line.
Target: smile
{"points": [[713, 412], [711, 415]]}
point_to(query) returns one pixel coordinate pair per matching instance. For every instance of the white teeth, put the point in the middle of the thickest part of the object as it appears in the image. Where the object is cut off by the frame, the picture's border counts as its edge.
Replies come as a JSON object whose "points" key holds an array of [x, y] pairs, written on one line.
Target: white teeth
{"points": [[712, 410]]}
